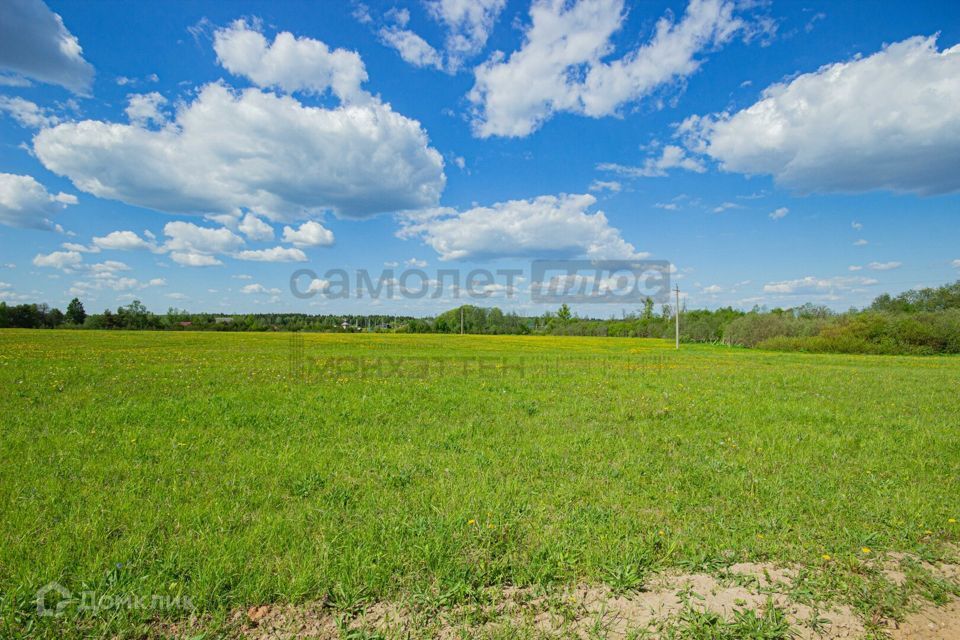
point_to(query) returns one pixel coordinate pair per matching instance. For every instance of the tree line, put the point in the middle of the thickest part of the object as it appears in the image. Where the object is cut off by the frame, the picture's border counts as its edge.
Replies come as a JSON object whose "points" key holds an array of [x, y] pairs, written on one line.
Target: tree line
{"points": [[919, 321]]}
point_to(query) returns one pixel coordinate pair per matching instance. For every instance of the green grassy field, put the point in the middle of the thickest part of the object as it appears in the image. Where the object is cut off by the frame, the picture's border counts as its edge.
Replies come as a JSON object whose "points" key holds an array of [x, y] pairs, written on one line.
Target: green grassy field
{"points": [[387, 467]]}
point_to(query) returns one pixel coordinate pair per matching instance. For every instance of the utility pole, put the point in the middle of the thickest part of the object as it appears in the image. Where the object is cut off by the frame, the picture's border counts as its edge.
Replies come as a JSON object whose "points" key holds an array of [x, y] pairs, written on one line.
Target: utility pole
{"points": [[461, 319], [676, 289]]}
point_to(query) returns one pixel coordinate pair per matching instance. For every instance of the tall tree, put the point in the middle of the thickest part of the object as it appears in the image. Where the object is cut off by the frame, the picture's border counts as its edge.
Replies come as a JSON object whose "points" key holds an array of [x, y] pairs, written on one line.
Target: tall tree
{"points": [[75, 312]]}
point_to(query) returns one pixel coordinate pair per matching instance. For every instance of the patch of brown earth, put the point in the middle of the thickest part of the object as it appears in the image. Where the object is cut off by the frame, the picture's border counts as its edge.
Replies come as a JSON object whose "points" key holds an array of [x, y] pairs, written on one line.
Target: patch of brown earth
{"points": [[935, 623], [668, 595], [589, 611]]}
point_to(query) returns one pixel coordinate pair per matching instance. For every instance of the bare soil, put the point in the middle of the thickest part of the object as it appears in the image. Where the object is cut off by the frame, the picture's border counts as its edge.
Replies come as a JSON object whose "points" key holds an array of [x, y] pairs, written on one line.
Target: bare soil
{"points": [[591, 611]]}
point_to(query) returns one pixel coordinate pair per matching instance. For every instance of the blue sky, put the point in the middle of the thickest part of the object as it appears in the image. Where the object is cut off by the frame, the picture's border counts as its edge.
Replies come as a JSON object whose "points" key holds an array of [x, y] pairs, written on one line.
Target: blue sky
{"points": [[196, 154]]}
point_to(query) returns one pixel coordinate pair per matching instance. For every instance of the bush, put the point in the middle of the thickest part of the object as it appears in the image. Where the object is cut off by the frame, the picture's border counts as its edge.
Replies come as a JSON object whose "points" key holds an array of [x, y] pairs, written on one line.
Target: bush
{"points": [[754, 328]]}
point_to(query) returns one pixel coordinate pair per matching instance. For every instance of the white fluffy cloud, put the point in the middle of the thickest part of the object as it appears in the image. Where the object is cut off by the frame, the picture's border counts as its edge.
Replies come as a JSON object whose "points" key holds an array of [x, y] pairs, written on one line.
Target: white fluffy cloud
{"points": [[411, 47], [253, 150], [35, 43], [468, 24], [191, 259], [309, 234], [781, 212], [544, 226], [812, 285], [276, 254], [561, 66], [884, 266], [259, 289], [605, 185], [671, 157], [26, 203], [188, 237], [27, 114], [289, 63], [886, 121], [144, 108], [65, 260], [255, 228], [122, 241]]}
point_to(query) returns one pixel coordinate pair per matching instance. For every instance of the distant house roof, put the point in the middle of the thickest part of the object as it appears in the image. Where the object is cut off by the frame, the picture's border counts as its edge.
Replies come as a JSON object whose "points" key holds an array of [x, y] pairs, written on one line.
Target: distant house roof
{"points": [[185, 323]]}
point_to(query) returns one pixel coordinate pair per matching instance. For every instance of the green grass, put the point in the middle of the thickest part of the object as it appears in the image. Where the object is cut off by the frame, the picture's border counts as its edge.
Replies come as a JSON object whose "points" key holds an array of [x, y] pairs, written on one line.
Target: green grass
{"points": [[202, 465]]}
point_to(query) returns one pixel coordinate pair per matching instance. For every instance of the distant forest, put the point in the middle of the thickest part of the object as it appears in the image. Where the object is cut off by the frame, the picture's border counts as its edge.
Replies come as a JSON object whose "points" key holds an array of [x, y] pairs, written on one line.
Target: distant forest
{"points": [[919, 321]]}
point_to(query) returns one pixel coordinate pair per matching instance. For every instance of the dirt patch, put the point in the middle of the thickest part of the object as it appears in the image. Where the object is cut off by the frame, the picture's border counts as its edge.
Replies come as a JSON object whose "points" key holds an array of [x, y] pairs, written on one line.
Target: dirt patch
{"points": [[768, 575], [265, 622], [934, 623], [591, 611]]}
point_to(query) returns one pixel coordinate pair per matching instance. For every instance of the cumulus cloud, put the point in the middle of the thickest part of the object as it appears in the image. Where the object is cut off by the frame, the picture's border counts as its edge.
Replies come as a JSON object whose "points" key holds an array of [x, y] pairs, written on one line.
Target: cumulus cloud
{"points": [[188, 237], [144, 108], [671, 157], [543, 226], [35, 43], [411, 47], [888, 121], [259, 289], [723, 206], [276, 254], [561, 67], [191, 259], [776, 214], [813, 285], [64, 260], [605, 185], [27, 114], [228, 151], [26, 203], [309, 234], [106, 275], [289, 63], [468, 24], [255, 228], [75, 246], [884, 266], [122, 241]]}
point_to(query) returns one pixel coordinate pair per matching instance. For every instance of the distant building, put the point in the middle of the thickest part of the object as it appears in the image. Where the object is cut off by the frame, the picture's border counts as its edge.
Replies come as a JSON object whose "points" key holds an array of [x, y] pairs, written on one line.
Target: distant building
{"points": [[223, 319], [185, 323], [344, 325]]}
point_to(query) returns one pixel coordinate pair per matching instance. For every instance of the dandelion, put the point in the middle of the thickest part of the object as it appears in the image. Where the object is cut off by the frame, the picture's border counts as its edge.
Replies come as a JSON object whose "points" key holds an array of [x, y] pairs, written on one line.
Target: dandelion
{"points": [[826, 557], [952, 520], [661, 532], [865, 550], [471, 522]]}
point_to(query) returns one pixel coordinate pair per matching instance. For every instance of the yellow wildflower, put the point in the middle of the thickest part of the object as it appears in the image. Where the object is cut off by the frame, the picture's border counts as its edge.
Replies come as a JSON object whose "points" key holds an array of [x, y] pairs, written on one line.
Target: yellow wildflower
{"points": [[865, 550]]}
